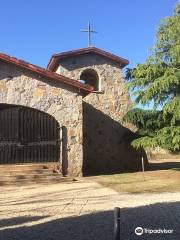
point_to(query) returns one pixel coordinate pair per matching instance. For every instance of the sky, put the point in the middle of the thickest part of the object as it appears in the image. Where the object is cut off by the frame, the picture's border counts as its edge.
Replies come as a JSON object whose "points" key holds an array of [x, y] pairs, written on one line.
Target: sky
{"points": [[34, 30]]}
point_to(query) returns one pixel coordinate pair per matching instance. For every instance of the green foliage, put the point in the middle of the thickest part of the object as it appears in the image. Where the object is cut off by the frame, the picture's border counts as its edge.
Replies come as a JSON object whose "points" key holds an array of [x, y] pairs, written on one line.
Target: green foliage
{"points": [[148, 122], [168, 138], [158, 80]]}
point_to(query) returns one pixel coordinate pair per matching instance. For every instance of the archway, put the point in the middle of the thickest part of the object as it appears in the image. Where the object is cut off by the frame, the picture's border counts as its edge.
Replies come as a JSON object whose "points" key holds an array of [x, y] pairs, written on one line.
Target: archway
{"points": [[90, 76], [27, 135]]}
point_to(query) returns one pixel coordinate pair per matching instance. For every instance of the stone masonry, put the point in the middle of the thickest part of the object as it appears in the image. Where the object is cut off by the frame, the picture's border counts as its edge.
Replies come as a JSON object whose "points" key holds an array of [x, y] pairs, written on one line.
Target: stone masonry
{"points": [[21, 87], [114, 100], [105, 148], [95, 139]]}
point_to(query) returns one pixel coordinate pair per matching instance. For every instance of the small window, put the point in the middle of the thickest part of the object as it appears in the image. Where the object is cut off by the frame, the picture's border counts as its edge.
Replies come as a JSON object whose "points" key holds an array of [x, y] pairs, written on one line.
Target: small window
{"points": [[90, 76]]}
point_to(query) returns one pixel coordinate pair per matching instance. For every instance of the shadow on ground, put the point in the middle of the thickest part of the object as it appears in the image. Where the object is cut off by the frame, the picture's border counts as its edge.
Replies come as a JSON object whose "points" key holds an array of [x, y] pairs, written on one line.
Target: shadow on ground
{"points": [[164, 166], [19, 220], [99, 226]]}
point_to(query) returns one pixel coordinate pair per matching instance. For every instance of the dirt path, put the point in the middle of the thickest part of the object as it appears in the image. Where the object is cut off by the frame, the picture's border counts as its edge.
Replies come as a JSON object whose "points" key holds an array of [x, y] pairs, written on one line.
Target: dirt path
{"points": [[83, 210]]}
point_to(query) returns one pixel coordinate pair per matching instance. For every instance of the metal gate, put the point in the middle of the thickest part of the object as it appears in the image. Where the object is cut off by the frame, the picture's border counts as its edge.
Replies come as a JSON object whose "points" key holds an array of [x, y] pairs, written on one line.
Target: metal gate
{"points": [[27, 136]]}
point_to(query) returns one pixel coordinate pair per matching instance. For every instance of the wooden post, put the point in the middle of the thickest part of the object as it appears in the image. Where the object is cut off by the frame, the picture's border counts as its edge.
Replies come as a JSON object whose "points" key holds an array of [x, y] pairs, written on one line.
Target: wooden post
{"points": [[143, 168], [60, 140]]}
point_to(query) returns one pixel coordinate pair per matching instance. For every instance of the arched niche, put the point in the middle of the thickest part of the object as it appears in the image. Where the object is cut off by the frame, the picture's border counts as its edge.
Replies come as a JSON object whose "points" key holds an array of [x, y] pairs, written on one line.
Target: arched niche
{"points": [[90, 77]]}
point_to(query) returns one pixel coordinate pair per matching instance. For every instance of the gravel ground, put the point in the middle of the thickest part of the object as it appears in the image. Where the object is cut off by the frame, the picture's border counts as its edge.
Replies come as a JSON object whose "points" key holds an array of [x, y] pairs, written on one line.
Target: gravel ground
{"points": [[83, 210]]}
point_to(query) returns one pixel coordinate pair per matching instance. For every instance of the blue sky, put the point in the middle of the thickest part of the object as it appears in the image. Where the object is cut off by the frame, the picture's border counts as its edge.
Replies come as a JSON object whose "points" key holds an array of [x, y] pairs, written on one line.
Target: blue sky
{"points": [[34, 30]]}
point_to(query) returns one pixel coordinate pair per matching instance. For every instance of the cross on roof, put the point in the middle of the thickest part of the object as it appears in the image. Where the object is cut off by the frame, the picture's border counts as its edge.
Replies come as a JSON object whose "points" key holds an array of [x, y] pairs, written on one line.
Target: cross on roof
{"points": [[89, 31]]}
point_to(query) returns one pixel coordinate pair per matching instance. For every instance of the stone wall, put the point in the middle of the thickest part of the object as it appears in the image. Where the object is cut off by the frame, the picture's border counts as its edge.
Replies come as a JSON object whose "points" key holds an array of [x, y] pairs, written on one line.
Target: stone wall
{"points": [[21, 87], [106, 145], [113, 98]]}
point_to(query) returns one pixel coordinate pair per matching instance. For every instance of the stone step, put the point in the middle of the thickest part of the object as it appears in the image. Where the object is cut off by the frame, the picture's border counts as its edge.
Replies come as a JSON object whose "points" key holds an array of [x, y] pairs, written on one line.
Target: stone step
{"points": [[23, 167], [24, 171], [29, 173], [46, 180]]}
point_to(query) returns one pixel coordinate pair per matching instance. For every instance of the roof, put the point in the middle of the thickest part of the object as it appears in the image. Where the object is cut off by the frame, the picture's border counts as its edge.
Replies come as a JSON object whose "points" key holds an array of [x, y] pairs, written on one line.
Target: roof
{"points": [[57, 57], [83, 88]]}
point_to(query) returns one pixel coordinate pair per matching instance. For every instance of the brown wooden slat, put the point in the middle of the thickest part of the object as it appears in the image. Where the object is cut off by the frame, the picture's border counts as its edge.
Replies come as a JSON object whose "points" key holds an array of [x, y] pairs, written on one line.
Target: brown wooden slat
{"points": [[26, 135]]}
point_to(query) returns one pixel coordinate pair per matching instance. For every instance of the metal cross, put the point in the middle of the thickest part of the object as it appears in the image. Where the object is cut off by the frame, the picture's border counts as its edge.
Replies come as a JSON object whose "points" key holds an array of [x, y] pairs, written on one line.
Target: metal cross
{"points": [[89, 31]]}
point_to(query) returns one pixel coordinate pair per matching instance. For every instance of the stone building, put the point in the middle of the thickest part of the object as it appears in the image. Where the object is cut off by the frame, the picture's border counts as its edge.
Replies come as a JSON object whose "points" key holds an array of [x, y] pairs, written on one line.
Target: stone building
{"points": [[70, 113]]}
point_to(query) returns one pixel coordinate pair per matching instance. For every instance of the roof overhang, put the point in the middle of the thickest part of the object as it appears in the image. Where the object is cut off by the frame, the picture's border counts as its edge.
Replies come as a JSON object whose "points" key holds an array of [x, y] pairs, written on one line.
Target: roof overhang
{"points": [[56, 58], [82, 88]]}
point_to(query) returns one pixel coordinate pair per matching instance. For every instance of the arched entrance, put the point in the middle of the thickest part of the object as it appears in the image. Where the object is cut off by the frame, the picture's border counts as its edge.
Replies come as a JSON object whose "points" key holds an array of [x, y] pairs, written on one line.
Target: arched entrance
{"points": [[27, 135]]}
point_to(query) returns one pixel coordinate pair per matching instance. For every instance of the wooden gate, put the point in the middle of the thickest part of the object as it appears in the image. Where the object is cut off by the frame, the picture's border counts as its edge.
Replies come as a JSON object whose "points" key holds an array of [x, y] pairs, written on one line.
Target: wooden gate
{"points": [[27, 136]]}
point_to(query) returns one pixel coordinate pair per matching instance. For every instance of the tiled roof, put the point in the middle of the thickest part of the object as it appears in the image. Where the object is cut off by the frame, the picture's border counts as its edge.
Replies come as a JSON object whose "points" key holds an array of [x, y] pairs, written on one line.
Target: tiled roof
{"points": [[57, 57], [83, 88]]}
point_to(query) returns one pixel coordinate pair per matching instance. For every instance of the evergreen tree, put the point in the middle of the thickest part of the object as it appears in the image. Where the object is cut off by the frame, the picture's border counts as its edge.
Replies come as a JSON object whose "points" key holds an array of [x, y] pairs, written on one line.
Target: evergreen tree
{"points": [[158, 81]]}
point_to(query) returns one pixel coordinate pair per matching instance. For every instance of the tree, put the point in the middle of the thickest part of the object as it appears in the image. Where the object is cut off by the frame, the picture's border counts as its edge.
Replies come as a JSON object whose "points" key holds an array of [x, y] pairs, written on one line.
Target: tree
{"points": [[158, 81]]}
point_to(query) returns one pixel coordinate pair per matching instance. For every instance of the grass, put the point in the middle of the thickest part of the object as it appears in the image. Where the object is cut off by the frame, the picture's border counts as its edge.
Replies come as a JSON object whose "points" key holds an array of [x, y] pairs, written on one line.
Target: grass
{"points": [[155, 181]]}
